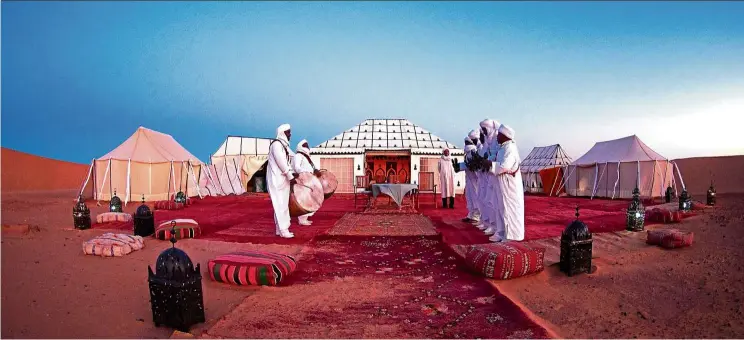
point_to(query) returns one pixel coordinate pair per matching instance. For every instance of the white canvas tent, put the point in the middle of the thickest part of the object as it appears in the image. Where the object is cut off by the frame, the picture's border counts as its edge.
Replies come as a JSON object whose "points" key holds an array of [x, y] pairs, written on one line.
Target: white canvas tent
{"points": [[541, 157], [148, 163], [234, 164], [613, 169]]}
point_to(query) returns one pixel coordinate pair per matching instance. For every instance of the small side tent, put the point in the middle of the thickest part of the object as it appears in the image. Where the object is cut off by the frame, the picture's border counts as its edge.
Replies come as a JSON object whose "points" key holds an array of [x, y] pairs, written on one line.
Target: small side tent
{"points": [[540, 158], [238, 166], [614, 168], [148, 163]]}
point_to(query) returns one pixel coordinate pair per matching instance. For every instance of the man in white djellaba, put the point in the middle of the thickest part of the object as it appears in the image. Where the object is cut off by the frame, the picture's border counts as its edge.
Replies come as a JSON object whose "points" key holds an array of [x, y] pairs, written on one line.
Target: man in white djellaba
{"points": [[446, 179], [472, 141], [510, 203], [280, 177], [489, 128], [302, 163]]}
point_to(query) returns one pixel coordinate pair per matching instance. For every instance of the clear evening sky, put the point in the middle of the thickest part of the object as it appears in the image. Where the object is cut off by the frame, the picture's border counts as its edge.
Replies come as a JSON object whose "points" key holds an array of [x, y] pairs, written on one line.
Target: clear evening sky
{"points": [[79, 77]]}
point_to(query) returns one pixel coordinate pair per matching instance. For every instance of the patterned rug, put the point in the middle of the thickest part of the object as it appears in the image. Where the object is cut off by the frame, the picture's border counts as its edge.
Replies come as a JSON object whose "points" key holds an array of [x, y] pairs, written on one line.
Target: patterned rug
{"points": [[354, 224]]}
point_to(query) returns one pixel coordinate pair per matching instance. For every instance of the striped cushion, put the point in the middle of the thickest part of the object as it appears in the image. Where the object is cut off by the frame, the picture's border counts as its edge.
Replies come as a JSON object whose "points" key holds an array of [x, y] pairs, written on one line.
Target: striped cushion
{"points": [[256, 268], [113, 217], [503, 261], [168, 205], [185, 228]]}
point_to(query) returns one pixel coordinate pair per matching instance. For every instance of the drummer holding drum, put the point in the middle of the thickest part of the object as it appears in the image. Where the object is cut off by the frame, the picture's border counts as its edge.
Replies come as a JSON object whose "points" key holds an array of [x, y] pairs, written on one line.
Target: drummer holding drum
{"points": [[280, 178], [303, 164]]}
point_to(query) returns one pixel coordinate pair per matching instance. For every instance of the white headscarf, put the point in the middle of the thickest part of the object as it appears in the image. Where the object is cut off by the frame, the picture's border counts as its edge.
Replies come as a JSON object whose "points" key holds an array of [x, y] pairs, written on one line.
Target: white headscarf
{"points": [[474, 134], [491, 127], [506, 131], [447, 158], [303, 149], [280, 134]]}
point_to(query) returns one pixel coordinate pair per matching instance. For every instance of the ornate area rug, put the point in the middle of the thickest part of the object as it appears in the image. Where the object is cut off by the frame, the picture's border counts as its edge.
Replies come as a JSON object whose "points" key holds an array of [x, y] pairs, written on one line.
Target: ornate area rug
{"points": [[355, 224]]}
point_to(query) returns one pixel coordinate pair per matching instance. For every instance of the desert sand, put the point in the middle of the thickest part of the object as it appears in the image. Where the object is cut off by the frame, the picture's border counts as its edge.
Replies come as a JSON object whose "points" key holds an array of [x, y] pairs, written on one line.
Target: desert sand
{"points": [[26, 172]]}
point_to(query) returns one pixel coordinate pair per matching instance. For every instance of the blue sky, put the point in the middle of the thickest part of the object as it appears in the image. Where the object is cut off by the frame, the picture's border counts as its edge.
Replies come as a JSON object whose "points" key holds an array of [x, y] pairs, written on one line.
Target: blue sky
{"points": [[79, 77]]}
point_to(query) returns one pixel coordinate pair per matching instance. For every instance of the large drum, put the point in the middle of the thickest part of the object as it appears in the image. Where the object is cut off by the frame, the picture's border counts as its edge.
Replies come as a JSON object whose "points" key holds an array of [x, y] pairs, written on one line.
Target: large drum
{"points": [[329, 182], [306, 195]]}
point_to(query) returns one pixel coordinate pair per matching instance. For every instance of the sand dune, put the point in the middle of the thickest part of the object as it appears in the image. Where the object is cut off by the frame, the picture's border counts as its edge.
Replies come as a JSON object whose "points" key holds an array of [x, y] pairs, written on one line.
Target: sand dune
{"points": [[26, 172], [728, 173]]}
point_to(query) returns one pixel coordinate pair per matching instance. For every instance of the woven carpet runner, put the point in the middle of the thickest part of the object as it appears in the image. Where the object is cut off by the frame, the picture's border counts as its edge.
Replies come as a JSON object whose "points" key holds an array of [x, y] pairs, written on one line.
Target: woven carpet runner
{"points": [[355, 224]]}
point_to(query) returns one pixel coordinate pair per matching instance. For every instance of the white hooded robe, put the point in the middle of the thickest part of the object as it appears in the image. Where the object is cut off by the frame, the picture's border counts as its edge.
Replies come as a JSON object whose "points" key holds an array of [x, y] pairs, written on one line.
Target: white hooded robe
{"points": [[301, 164], [510, 205], [446, 176], [278, 174], [471, 185], [485, 183]]}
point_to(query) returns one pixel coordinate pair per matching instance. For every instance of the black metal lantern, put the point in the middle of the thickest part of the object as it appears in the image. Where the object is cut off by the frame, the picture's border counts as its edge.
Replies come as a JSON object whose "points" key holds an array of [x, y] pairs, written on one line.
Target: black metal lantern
{"points": [[711, 196], [458, 184], [176, 289], [414, 167], [81, 214], [144, 220], [636, 213], [685, 201], [115, 204], [180, 197], [669, 194], [576, 248]]}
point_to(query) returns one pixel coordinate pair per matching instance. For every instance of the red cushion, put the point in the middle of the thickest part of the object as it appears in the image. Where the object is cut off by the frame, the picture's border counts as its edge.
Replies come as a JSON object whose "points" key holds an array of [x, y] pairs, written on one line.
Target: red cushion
{"points": [[254, 268], [503, 261], [664, 216], [168, 205], [185, 228], [670, 238]]}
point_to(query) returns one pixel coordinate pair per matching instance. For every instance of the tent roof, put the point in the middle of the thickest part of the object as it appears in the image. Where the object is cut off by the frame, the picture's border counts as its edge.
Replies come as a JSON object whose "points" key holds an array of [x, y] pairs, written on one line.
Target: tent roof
{"points": [[543, 157], [237, 145], [385, 134], [627, 149], [150, 146]]}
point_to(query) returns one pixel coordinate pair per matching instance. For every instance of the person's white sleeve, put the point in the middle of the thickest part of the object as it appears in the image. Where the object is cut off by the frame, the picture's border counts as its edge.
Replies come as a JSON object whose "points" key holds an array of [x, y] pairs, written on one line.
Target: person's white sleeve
{"points": [[507, 166], [297, 163], [277, 151]]}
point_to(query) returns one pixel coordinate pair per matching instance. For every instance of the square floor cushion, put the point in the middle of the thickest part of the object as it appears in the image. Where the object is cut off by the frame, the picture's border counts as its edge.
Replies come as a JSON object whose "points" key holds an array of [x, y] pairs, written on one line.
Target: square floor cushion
{"points": [[168, 205], [113, 217], [670, 238], [503, 261], [185, 228], [255, 268], [110, 244]]}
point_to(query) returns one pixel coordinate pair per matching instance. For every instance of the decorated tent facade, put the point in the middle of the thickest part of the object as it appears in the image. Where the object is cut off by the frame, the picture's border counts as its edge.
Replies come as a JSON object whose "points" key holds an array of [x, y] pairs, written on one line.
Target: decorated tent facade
{"points": [[148, 163], [382, 149], [614, 168], [540, 158], [238, 165]]}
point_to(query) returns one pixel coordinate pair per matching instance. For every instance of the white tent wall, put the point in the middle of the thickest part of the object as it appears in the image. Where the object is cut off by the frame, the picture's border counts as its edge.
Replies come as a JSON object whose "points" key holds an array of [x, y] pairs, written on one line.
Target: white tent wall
{"points": [[154, 181], [539, 158], [228, 174], [606, 180]]}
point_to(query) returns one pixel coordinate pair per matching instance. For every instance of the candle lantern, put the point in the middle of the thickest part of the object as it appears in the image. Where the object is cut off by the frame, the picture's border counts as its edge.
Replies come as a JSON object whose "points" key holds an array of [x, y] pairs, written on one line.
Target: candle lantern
{"points": [[669, 194], [81, 214], [576, 248], [144, 220], [176, 289], [685, 201], [636, 213], [115, 204], [180, 197], [458, 184], [414, 167], [711, 196]]}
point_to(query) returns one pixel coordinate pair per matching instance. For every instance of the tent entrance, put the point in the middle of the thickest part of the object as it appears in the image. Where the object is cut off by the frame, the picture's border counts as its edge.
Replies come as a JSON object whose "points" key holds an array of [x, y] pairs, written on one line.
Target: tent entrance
{"points": [[388, 167]]}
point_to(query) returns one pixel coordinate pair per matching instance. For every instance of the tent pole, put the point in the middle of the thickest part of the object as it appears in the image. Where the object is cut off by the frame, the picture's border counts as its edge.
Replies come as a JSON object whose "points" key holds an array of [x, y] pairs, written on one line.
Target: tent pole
{"points": [[607, 183], [653, 181], [617, 180], [638, 178], [170, 172], [128, 193], [111, 173], [681, 180], [187, 177], [90, 170], [594, 187], [663, 180], [103, 181]]}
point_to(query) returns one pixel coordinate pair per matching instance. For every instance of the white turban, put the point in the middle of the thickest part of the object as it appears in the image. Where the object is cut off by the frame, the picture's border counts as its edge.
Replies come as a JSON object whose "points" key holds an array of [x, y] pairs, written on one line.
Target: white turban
{"points": [[301, 148], [280, 133], [474, 134], [491, 127], [506, 131]]}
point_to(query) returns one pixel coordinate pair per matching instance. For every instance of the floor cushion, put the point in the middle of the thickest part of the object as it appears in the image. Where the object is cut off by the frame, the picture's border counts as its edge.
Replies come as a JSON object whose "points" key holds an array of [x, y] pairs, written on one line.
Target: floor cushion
{"points": [[113, 217], [110, 244], [505, 260], [168, 205], [185, 228], [665, 216], [255, 268], [670, 238]]}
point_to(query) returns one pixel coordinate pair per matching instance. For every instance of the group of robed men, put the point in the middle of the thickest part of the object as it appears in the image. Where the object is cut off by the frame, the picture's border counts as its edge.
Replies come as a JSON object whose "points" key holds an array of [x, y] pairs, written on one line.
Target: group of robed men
{"points": [[282, 172], [493, 182]]}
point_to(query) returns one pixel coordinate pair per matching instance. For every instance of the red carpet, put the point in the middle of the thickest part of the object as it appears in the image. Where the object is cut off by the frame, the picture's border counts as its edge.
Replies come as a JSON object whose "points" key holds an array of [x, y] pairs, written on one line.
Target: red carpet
{"points": [[435, 296], [360, 224]]}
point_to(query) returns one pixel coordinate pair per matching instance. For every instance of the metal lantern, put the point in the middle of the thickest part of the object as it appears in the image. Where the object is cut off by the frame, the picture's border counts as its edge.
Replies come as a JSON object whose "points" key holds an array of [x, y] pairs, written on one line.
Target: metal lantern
{"points": [[180, 197], [144, 220], [669, 194], [711, 196], [115, 204], [636, 213], [576, 248], [458, 184], [176, 289], [685, 201], [81, 214]]}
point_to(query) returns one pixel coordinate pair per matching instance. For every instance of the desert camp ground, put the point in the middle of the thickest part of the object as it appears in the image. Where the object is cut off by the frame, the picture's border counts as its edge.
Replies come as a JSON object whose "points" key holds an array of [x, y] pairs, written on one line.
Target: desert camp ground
{"points": [[355, 280]]}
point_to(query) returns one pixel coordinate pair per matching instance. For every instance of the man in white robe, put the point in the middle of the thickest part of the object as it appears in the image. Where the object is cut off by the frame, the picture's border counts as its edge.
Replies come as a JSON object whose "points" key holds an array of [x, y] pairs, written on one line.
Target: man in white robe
{"points": [[279, 178], [446, 179], [302, 163], [510, 205], [472, 141], [487, 208]]}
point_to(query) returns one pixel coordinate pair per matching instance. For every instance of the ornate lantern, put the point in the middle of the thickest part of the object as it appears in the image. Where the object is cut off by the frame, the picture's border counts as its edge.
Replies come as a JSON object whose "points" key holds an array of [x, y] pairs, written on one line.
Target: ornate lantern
{"points": [[81, 214], [144, 220], [180, 197], [576, 248], [685, 201], [176, 289], [115, 204], [458, 184], [669, 194], [636, 213], [711, 196]]}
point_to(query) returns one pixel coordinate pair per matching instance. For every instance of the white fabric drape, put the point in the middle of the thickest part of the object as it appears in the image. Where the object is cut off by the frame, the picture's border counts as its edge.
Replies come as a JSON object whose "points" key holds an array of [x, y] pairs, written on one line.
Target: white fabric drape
{"points": [[103, 180], [129, 173], [90, 171]]}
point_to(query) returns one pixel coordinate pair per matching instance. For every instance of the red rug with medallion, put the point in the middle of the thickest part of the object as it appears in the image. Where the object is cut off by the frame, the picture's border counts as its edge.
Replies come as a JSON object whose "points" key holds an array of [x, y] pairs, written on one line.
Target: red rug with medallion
{"points": [[355, 224]]}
